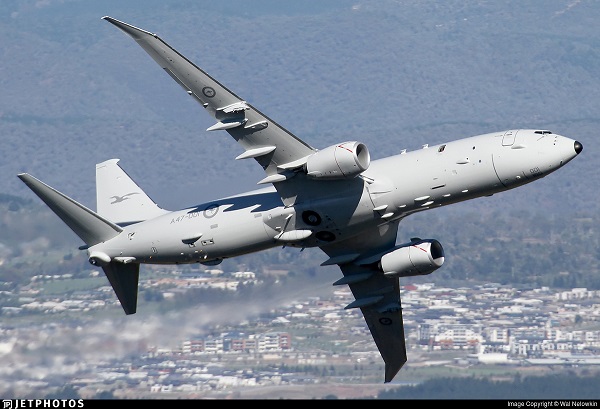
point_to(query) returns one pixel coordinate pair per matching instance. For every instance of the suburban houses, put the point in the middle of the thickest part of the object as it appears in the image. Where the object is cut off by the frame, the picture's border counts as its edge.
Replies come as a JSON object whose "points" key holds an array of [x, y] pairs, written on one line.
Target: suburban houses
{"points": [[487, 324]]}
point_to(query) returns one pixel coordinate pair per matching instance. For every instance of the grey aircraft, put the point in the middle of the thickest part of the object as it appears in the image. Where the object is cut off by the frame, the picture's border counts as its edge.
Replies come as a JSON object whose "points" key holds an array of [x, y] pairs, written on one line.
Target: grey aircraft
{"points": [[336, 199]]}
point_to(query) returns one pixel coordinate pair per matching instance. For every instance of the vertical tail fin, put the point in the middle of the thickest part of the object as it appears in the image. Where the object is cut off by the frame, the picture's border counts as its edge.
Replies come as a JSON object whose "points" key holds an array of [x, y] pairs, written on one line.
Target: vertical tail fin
{"points": [[119, 199]]}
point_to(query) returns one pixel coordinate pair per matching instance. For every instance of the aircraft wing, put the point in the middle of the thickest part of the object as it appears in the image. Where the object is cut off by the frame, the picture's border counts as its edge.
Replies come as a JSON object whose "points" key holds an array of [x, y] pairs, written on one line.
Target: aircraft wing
{"points": [[377, 296], [272, 146], [280, 153]]}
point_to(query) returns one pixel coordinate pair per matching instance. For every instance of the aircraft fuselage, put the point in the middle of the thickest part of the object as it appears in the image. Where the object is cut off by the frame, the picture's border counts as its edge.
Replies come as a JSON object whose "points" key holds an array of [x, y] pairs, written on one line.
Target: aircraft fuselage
{"points": [[390, 189]]}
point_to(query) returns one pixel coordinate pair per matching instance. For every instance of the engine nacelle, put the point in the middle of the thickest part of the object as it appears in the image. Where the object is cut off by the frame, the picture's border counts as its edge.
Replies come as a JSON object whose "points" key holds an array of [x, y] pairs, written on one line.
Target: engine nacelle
{"points": [[418, 257], [344, 160]]}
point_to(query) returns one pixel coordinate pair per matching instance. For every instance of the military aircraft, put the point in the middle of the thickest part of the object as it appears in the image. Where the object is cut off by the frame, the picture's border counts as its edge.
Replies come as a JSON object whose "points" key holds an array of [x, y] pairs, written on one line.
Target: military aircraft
{"points": [[336, 199]]}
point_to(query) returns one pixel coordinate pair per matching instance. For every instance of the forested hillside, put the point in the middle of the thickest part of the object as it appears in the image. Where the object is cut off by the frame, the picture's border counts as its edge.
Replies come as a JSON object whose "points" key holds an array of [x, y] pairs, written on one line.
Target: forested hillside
{"points": [[394, 75]]}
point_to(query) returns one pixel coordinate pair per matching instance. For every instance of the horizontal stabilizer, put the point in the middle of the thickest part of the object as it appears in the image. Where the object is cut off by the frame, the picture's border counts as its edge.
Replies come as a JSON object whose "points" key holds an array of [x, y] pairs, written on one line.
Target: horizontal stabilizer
{"points": [[124, 280], [119, 198], [88, 225]]}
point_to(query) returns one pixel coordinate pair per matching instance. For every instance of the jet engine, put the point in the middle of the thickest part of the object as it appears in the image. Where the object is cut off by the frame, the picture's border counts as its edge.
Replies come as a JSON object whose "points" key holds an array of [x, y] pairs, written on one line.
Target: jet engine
{"points": [[344, 160], [419, 257]]}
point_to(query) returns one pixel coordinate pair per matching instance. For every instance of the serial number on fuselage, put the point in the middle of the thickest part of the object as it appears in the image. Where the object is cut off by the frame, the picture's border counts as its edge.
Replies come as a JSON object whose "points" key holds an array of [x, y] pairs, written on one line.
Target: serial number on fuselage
{"points": [[208, 213]]}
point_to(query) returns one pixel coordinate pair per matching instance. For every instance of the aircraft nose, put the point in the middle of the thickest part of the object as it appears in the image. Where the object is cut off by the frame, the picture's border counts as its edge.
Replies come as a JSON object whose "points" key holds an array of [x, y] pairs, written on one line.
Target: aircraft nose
{"points": [[578, 147]]}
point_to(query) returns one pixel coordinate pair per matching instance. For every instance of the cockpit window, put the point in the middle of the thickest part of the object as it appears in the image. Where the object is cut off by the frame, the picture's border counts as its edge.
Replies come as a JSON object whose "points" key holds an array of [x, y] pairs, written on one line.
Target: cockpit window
{"points": [[543, 132], [441, 148]]}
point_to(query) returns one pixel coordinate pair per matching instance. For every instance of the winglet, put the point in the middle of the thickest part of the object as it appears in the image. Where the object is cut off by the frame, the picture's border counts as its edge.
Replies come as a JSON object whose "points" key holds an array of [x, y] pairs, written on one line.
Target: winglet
{"points": [[127, 28]]}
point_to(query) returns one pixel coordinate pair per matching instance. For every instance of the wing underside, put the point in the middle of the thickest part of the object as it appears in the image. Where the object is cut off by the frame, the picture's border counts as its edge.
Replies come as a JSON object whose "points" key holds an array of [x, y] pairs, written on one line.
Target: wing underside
{"points": [[377, 296]]}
